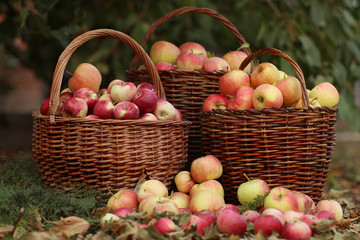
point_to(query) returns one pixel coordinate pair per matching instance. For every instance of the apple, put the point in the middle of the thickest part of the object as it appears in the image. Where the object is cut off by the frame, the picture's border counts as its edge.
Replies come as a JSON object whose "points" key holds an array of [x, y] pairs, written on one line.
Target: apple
{"points": [[207, 215], [104, 109], [164, 110], [267, 224], [194, 48], [113, 83], [157, 204], [291, 90], [251, 215], [106, 96], [206, 168], [264, 73], [231, 222], [184, 181], [200, 224], [64, 97], [311, 221], [215, 64], [164, 51], [296, 230], [227, 206], [181, 199], [235, 58], [102, 91], [281, 198], [305, 203], [210, 185], [92, 116], [276, 213], [184, 210], [267, 95], [205, 200], [248, 191], [65, 90], [232, 80], [326, 94], [179, 116], [314, 102], [148, 116], [190, 61], [44, 108], [291, 215], [85, 75], [151, 188], [146, 85], [108, 219], [125, 92], [89, 95], [215, 101], [165, 225], [122, 212], [327, 215], [74, 108], [146, 100], [124, 198], [332, 206], [242, 99], [164, 66], [282, 74]]}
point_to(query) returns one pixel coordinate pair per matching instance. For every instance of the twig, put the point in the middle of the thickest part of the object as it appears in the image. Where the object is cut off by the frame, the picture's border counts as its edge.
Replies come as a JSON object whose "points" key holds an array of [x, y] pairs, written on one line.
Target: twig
{"points": [[21, 212]]}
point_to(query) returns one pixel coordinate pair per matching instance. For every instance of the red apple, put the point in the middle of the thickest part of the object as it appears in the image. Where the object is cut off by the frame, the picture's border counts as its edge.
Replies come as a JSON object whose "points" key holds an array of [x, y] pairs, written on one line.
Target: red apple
{"points": [[291, 90], [332, 206], [193, 47], [276, 213], [165, 225], [179, 116], [291, 215], [126, 111], [206, 200], [164, 66], [113, 83], [89, 95], [92, 116], [151, 188], [235, 58], [122, 212], [200, 224], [267, 95], [164, 110], [267, 224], [124, 198], [232, 80], [305, 203], [102, 91], [164, 51], [251, 215], [74, 108], [190, 61], [247, 192], [209, 185], [215, 101], [206, 168], [327, 215], [281, 198], [264, 73], [311, 221], [64, 97], [158, 204], [242, 99], [148, 116], [326, 94], [104, 109], [227, 206], [207, 215], [85, 75], [145, 85], [184, 181], [125, 92], [231, 222], [44, 108], [215, 64], [296, 230], [146, 100]]}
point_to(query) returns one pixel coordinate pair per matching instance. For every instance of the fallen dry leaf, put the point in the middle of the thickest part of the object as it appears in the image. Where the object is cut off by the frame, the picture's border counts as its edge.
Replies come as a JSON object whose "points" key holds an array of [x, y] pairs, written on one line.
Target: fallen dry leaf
{"points": [[70, 226]]}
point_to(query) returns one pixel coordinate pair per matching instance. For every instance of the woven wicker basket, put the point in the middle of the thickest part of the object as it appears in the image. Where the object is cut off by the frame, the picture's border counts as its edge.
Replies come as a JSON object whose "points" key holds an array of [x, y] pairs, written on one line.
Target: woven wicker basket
{"points": [[187, 89], [106, 154], [291, 147]]}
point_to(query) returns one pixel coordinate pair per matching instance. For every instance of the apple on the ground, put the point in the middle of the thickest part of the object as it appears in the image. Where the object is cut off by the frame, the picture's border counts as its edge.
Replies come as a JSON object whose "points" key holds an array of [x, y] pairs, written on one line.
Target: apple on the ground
{"points": [[305, 203], [157, 204], [181, 199], [251, 215], [332, 206], [276, 213], [267, 224], [206, 168], [165, 225], [124, 198], [209, 185], [296, 230], [247, 192], [122, 212], [184, 181], [200, 224], [281, 198], [151, 188], [205, 200]]}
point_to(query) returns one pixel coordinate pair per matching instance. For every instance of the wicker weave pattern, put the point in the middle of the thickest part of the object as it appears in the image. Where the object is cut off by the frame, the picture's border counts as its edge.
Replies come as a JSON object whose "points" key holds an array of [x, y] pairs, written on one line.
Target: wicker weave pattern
{"points": [[106, 154], [289, 147], [187, 90]]}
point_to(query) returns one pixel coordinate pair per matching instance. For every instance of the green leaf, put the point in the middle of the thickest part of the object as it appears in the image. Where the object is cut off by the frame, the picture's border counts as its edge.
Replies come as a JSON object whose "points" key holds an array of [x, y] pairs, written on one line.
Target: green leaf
{"points": [[312, 53]]}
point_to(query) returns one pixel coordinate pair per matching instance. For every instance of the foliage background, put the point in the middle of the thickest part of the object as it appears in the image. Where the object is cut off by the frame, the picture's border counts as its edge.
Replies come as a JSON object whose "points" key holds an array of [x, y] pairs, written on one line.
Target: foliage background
{"points": [[321, 35]]}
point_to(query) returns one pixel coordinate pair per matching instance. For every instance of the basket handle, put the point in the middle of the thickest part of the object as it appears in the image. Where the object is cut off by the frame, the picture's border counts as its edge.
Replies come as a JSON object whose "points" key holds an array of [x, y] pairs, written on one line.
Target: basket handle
{"points": [[81, 39], [295, 66], [190, 9]]}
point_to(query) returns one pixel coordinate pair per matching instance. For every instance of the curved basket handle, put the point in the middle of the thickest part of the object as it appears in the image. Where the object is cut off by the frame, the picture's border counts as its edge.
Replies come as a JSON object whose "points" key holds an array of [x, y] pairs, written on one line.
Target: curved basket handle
{"points": [[81, 39], [190, 9], [295, 66]]}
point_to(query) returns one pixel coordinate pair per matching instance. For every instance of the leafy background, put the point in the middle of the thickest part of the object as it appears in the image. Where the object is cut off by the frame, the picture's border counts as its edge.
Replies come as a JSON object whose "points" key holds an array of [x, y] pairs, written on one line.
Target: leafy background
{"points": [[321, 35]]}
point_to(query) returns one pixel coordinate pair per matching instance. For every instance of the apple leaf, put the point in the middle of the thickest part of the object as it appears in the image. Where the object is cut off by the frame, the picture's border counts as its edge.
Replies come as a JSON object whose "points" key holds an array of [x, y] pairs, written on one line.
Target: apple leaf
{"points": [[70, 226]]}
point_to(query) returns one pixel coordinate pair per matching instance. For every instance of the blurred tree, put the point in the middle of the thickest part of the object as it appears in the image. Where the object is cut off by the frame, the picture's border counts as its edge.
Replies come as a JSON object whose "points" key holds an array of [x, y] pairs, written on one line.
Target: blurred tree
{"points": [[321, 35]]}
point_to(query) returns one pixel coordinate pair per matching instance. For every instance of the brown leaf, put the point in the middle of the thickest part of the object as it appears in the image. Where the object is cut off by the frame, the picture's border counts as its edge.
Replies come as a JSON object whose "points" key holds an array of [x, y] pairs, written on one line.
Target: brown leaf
{"points": [[5, 230], [41, 236], [70, 226]]}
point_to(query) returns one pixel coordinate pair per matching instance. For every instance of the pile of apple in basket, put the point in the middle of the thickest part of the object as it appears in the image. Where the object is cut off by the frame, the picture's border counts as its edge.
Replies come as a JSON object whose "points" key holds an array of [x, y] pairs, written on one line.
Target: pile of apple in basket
{"points": [[199, 198]]}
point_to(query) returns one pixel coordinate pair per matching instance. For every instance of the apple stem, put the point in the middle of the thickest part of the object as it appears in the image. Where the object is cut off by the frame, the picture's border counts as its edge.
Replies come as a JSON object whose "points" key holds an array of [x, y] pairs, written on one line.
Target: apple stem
{"points": [[247, 177], [69, 72], [109, 190]]}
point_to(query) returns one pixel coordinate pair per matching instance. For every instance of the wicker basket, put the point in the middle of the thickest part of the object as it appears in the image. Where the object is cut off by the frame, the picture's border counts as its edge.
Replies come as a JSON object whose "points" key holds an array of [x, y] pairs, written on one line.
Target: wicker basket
{"points": [[106, 154], [291, 147], [187, 90]]}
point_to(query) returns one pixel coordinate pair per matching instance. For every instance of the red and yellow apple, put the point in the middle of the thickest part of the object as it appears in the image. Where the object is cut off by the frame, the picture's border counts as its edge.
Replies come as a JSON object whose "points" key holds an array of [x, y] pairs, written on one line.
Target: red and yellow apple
{"points": [[291, 90], [264, 73], [215, 101], [206, 168], [184, 181], [232, 80], [164, 51], [267, 95], [85, 75]]}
